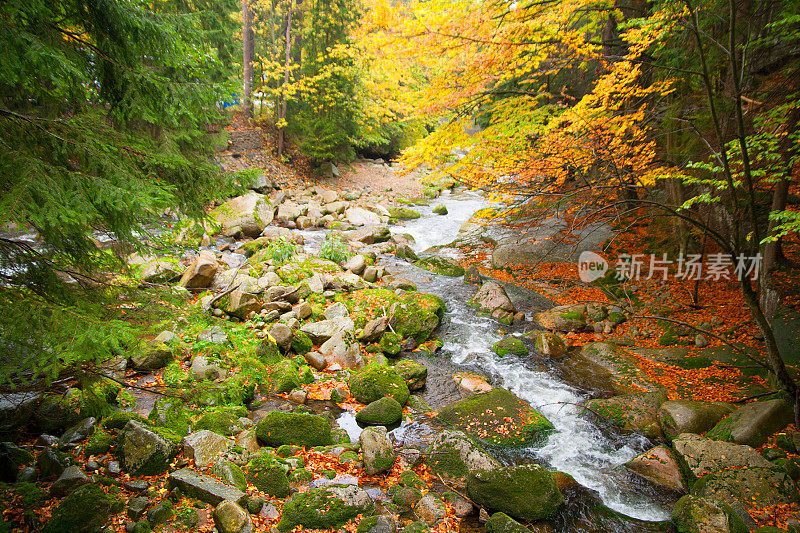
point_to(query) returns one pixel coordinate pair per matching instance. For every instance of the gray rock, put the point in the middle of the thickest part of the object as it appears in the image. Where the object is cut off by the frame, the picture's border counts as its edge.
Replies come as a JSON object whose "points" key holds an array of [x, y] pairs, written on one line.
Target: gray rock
{"points": [[754, 423], [51, 463], [696, 514], [230, 473], [374, 329], [302, 310], [150, 358], [204, 488], [203, 368], [323, 330], [686, 416], [16, 409], [431, 509], [77, 433], [378, 524], [705, 456], [29, 474], [248, 214], [160, 513], [566, 318], [204, 446], [492, 296], [114, 469], [137, 506], [550, 344], [288, 211], [201, 272], [631, 412], [136, 485], [370, 274], [337, 310], [358, 216], [340, 349], [283, 336], [454, 456], [229, 517], [214, 335], [356, 264], [760, 487], [240, 304], [145, 452], [248, 441], [660, 467], [69, 480], [377, 451], [315, 360]]}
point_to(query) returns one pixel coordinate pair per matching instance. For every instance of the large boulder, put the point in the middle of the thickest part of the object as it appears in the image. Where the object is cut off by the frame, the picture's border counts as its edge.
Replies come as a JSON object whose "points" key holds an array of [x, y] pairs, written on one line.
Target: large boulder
{"points": [[754, 423], [382, 412], [693, 514], [632, 412], [374, 382], [204, 446], [502, 523], [201, 272], [492, 296], [152, 357], [323, 330], [268, 475], [248, 214], [229, 517], [608, 368], [70, 479], [358, 216], [704, 456], [325, 508], [415, 374], [454, 456], [377, 451], [497, 417], [86, 509], [549, 344], [12, 458], [566, 318], [147, 451], [760, 486], [278, 428], [660, 467], [444, 266], [204, 488], [341, 349], [526, 492], [239, 304], [687, 416]]}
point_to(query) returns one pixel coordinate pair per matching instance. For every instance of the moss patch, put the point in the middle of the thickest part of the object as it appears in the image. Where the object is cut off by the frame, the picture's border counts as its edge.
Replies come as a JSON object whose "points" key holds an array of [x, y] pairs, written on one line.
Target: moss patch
{"points": [[278, 428], [375, 382]]}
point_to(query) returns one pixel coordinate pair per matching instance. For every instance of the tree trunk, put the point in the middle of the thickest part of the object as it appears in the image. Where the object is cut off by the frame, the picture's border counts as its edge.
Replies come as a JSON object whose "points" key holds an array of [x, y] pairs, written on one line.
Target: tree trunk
{"points": [[286, 73], [247, 58]]}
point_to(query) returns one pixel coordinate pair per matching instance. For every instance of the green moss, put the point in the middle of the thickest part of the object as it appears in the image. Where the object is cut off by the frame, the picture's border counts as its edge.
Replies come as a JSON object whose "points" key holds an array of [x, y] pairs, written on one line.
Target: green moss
{"points": [[99, 443], [118, 419], [31, 496], [319, 509], [301, 343], [409, 478], [278, 428], [443, 266], [722, 431], [306, 375], [390, 343], [416, 315], [223, 421], [510, 345], [375, 382], [268, 351], [99, 398], [497, 417], [403, 213], [284, 377], [302, 476], [87, 508], [268, 475], [382, 412], [171, 414]]}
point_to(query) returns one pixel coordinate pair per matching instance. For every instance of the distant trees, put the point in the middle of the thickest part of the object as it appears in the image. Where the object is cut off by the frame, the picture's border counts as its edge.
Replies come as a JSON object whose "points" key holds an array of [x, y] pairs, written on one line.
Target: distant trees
{"points": [[104, 110]]}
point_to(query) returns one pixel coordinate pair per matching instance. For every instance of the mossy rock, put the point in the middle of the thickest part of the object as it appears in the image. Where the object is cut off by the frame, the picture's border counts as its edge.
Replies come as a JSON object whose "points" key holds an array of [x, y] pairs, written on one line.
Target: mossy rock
{"points": [[99, 398], [57, 412], [222, 421], [268, 475], [99, 442], [382, 412], [170, 413], [693, 514], [390, 343], [413, 315], [325, 508], [510, 345], [526, 492], [301, 343], [278, 428], [375, 382], [231, 473], [502, 523], [87, 509], [284, 377], [118, 419], [631, 412], [268, 351], [440, 209], [403, 213], [444, 266], [497, 417], [30, 496], [415, 374]]}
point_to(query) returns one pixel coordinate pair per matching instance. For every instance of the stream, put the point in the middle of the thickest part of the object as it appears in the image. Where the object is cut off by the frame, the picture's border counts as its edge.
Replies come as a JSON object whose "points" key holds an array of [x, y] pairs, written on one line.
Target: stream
{"points": [[578, 446]]}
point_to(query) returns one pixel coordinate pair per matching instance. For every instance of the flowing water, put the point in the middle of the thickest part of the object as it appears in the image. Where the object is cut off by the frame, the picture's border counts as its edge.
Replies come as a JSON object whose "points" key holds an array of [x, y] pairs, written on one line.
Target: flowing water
{"points": [[577, 446]]}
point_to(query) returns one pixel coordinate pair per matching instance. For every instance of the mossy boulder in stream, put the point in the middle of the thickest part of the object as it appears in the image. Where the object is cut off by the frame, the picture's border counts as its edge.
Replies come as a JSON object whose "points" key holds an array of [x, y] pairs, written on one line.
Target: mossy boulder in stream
{"points": [[382, 412], [325, 507], [631, 412], [693, 514], [444, 266], [413, 315], [375, 382], [502, 523], [86, 509], [453, 456], [278, 428], [510, 345], [497, 417], [403, 213], [526, 492]]}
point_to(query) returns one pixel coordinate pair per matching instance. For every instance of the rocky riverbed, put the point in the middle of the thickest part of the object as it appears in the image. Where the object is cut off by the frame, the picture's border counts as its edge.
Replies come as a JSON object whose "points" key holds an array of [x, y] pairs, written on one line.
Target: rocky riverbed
{"points": [[325, 368]]}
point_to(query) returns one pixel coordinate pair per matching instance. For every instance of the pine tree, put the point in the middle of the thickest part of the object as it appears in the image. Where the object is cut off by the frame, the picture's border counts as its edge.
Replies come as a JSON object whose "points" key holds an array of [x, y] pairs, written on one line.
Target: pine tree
{"points": [[104, 106]]}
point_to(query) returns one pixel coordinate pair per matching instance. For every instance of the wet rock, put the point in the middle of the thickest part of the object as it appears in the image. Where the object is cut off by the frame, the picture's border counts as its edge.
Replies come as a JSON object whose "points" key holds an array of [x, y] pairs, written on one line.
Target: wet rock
{"points": [[660, 467], [510, 345], [454, 456], [631, 412], [12, 457], [375, 382], [444, 266], [431, 509], [56, 412], [88, 508], [756, 486], [325, 507], [147, 451], [377, 450], [203, 368], [566, 318], [51, 463], [136, 485], [382, 412], [160, 513], [249, 214], [404, 251], [686, 416], [550, 344], [201, 272], [268, 475], [525, 492], [204, 488], [470, 383], [229, 517], [29, 474], [440, 209], [502, 523], [497, 417], [69, 480], [137, 506], [204, 446], [754, 423], [278, 428], [704, 515]]}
